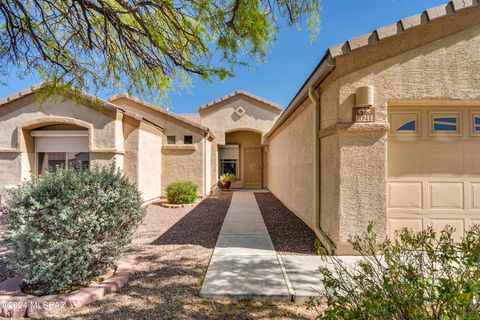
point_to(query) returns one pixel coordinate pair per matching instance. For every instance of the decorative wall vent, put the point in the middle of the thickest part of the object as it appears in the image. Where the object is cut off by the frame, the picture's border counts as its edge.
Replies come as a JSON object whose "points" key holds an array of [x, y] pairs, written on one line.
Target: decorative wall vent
{"points": [[240, 111]]}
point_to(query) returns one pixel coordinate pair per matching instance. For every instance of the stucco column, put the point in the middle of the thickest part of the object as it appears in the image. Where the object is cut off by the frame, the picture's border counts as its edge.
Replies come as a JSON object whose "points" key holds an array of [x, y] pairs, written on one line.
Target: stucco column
{"points": [[362, 185]]}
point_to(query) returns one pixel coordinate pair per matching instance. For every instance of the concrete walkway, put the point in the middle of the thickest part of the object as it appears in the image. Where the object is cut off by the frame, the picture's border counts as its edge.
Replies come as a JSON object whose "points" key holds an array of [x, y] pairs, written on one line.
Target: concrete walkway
{"points": [[244, 264]]}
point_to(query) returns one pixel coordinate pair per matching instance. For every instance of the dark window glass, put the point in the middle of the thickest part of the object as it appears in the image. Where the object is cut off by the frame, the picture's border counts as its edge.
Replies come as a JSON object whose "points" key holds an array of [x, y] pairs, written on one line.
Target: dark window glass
{"points": [[50, 161], [228, 166], [448, 124], [477, 124], [78, 160], [171, 140], [188, 140]]}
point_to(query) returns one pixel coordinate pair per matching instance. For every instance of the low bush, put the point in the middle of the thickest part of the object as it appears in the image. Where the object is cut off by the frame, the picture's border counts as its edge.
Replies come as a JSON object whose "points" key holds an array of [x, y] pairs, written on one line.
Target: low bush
{"points": [[68, 227], [181, 192], [425, 275]]}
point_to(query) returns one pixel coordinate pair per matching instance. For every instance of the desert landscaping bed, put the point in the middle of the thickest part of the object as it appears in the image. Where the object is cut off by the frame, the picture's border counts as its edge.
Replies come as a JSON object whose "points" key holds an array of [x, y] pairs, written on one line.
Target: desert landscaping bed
{"points": [[289, 234], [172, 249]]}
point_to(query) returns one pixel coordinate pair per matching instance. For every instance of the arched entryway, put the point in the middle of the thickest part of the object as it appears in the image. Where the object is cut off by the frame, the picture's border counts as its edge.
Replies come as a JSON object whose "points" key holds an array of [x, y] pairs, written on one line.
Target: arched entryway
{"points": [[243, 155]]}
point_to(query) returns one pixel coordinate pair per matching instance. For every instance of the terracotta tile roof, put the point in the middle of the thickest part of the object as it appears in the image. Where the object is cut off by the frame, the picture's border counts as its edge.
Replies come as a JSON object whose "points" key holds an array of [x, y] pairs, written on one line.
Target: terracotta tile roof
{"points": [[400, 26], [36, 87], [191, 117], [162, 110], [236, 93], [81, 94]]}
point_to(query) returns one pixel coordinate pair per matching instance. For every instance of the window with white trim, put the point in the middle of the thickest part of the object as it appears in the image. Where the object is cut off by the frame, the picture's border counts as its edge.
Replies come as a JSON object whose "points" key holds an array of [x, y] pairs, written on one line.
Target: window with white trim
{"points": [[228, 158], [57, 149], [404, 123], [445, 123], [476, 123]]}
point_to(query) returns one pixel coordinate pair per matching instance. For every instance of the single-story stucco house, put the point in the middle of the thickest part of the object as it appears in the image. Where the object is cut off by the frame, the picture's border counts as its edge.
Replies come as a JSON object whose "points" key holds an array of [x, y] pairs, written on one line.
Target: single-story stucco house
{"points": [[153, 146], [386, 129]]}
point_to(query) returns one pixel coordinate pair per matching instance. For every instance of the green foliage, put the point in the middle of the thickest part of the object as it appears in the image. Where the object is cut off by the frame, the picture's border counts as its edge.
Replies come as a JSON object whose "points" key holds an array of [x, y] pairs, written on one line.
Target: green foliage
{"points": [[228, 177], [181, 192], [144, 46], [68, 227], [425, 275]]}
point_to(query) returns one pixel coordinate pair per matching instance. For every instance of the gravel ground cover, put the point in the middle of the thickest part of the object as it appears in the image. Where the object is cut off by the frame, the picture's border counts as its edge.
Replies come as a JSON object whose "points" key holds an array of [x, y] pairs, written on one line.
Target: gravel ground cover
{"points": [[289, 234], [172, 249]]}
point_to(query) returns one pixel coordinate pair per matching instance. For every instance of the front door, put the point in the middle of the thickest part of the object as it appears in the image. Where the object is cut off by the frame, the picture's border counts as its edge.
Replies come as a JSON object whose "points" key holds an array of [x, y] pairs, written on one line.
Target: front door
{"points": [[253, 168]]}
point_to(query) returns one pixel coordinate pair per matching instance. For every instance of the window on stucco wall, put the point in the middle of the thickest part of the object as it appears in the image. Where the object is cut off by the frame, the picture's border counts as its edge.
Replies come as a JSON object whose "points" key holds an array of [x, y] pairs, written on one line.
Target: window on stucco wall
{"points": [[188, 140], [171, 139], [52, 161], [55, 149]]}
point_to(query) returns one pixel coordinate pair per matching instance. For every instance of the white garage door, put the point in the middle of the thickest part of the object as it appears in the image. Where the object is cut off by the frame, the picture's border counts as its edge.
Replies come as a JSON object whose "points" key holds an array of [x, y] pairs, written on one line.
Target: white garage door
{"points": [[433, 168]]}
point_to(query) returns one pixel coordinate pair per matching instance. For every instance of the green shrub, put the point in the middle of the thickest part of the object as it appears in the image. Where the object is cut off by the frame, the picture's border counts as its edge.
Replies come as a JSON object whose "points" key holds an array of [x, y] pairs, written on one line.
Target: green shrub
{"points": [[68, 227], [181, 192], [425, 275]]}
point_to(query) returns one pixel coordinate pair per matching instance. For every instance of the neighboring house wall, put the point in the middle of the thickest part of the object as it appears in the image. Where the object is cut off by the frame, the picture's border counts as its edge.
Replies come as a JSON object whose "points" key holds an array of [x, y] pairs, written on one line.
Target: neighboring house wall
{"points": [[290, 163], [180, 162]]}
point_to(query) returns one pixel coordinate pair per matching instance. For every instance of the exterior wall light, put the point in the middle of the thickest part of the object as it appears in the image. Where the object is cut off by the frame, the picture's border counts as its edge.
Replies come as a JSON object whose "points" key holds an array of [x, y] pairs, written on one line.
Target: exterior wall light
{"points": [[363, 110]]}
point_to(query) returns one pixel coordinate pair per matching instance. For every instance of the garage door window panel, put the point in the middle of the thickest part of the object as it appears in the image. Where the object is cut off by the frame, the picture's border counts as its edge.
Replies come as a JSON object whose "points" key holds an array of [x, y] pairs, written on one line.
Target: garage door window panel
{"points": [[445, 124], [405, 123], [475, 124]]}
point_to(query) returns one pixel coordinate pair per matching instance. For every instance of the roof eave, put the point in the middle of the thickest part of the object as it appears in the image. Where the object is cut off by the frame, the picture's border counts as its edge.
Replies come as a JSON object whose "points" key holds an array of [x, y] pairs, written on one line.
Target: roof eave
{"points": [[323, 69]]}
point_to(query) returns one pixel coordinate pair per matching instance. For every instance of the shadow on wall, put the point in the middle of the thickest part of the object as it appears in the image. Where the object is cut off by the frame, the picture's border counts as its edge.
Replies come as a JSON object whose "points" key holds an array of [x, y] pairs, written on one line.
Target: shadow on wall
{"points": [[200, 226]]}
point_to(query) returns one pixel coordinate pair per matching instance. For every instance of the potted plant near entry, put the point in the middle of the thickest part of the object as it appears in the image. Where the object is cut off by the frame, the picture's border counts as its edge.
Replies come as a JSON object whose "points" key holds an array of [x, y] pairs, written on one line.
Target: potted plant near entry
{"points": [[226, 180]]}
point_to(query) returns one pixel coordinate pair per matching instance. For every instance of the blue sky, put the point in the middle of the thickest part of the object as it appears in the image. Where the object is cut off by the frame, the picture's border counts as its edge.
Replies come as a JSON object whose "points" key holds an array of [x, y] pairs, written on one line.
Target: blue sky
{"points": [[292, 56]]}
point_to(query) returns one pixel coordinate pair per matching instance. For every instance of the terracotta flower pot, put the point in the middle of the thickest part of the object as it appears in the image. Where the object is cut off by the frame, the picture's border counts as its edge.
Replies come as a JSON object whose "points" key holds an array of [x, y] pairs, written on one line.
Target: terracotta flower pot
{"points": [[225, 185]]}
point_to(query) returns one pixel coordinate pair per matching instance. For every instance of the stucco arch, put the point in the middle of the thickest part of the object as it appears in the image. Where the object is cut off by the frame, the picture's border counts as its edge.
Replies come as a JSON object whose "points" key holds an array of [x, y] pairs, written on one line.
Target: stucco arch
{"points": [[25, 142], [249, 129]]}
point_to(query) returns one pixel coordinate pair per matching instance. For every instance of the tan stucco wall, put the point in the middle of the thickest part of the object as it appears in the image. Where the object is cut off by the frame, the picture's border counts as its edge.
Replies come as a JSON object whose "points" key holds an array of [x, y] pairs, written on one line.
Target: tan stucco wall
{"points": [[290, 163], [221, 118], [354, 157], [150, 162], [245, 139], [16, 145], [444, 70], [183, 165], [177, 164], [214, 164], [135, 146], [208, 166]]}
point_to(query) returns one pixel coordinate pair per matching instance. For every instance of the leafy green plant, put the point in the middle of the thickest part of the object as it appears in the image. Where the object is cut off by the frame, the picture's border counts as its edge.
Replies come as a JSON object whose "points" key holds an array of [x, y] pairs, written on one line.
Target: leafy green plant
{"points": [[230, 177], [181, 192], [68, 227], [425, 275]]}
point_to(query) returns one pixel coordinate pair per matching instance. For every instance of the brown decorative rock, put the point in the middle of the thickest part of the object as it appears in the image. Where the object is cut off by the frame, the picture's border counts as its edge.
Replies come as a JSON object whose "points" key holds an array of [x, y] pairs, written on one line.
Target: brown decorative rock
{"points": [[165, 204], [16, 304]]}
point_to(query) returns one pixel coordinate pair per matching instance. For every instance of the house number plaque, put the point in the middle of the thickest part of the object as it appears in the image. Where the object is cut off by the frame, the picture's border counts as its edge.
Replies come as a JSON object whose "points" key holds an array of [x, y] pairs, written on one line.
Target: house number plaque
{"points": [[363, 114]]}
